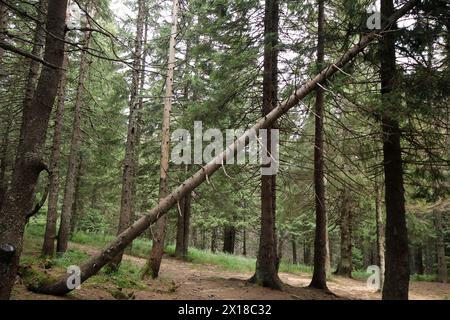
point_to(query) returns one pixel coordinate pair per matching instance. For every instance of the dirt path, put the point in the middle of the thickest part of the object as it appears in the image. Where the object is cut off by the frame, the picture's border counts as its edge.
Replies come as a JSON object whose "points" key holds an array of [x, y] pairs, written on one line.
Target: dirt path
{"points": [[182, 280]]}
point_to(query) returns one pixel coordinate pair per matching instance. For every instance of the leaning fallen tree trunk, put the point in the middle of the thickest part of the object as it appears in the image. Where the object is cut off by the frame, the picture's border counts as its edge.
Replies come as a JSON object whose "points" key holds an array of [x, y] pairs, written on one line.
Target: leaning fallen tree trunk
{"points": [[95, 263]]}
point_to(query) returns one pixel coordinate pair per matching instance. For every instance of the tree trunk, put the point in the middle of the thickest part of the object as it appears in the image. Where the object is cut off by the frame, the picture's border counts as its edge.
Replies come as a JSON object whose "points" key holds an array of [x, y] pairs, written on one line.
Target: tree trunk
{"points": [[72, 167], [159, 232], [75, 215], [214, 239], [182, 242], [380, 231], [396, 284], [319, 279], [294, 251], [244, 242], [267, 263], [129, 162], [203, 239], [345, 264], [28, 163], [3, 26], [306, 253], [440, 247], [38, 47], [48, 247], [96, 262], [418, 260], [4, 160], [229, 237]]}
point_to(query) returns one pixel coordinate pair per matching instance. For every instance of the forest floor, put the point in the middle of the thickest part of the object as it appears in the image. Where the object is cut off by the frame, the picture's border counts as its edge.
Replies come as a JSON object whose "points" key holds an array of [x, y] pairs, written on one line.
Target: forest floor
{"points": [[184, 280]]}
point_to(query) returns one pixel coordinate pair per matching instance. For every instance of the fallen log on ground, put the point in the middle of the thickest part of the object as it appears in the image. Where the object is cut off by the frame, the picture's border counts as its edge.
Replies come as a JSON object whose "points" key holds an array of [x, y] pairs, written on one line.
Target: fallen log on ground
{"points": [[95, 263]]}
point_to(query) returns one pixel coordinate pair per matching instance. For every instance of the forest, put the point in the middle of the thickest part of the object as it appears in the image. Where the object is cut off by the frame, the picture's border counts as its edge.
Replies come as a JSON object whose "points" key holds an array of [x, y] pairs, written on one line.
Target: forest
{"points": [[224, 149]]}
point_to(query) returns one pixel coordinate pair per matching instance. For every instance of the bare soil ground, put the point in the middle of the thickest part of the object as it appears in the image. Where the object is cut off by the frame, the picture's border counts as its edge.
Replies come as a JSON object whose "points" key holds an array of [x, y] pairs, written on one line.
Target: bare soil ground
{"points": [[181, 280]]}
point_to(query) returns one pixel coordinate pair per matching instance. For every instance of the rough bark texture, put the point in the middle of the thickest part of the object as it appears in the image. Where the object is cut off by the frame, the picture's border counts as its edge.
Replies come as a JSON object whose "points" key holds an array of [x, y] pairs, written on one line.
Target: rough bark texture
{"points": [[229, 239], [28, 163], [440, 247], [182, 241], [266, 273], [345, 264], [4, 160], [48, 247], [72, 167], [380, 231], [129, 162], [396, 282], [38, 47], [96, 262], [319, 279], [159, 232], [3, 26], [75, 214]]}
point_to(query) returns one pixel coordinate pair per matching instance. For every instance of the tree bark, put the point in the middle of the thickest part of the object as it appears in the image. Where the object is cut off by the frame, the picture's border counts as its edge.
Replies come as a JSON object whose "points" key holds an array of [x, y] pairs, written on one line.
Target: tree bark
{"points": [[4, 160], [159, 232], [418, 261], [319, 279], [48, 247], [38, 47], [28, 163], [96, 262], [129, 162], [229, 237], [294, 251], [214, 240], [75, 215], [72, 167], [345, 264], [380, 231], [396, 284], [440, 247], [266, 273], [3, 26], [182, 242], [244, 242]]}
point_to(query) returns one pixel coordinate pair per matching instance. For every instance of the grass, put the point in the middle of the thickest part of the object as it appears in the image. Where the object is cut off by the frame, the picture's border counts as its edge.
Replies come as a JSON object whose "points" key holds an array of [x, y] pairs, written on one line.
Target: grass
{"points": [[141, 248]]}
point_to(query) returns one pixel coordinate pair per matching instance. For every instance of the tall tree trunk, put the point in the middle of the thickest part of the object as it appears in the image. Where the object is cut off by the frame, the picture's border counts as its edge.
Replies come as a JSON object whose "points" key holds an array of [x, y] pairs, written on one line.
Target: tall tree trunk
{"points": [[418, 260], [4, 160], [75, 215], [28, 163], [440, 247], [182, 242], [159, 232], [244, 242], [229, 237], [306, 253], [345, 264], [203, 239], [266, 273], [96, 262], [129, 162], [380, 230], [294, 251], [214, 239], [3, 26], [319, 279], [48, 247], [72, 167], [38, 47], [396, 283]]}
